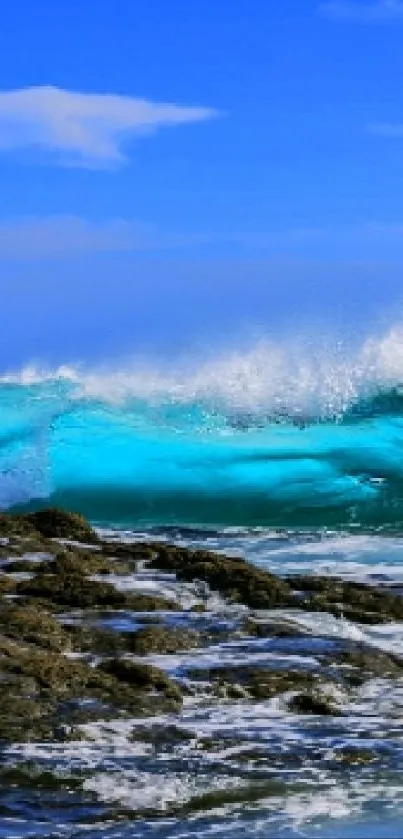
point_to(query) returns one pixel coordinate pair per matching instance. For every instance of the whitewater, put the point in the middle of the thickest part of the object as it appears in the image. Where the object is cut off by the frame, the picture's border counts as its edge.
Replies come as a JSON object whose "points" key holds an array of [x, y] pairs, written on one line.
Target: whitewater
{"points": [[287, 453], [282, 435]]}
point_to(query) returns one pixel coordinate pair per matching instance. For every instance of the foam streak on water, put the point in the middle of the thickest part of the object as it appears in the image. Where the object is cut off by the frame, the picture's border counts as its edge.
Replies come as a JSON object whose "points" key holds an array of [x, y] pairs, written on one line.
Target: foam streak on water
{"points": [[236, 769]]}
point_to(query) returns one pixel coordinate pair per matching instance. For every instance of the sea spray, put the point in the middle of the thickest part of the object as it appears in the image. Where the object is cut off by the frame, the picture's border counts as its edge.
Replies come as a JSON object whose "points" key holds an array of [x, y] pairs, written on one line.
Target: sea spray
{"points": [[281, 435]]}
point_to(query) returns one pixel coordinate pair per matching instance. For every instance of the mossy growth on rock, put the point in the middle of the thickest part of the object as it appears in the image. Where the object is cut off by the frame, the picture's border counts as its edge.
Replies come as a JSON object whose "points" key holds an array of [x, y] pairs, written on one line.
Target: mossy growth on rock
{"points": [[43, 691], [33, 625], [271, 629], [356, 601], [71, 587], [59, 524], [141, 676], [239, 581], [160, 639], [7, 584], [51, 523], [358, 662], [80, 562], [254, 682]]}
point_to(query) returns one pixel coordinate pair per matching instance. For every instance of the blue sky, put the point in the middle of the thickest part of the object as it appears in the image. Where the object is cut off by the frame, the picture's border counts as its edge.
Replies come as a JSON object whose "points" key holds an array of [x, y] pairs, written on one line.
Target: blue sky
{"points": [[179, 173]]}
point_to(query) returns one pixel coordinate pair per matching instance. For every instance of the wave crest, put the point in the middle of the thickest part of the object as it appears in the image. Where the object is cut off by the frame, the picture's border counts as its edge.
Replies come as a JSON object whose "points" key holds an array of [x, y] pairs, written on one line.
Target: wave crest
{"points": [[286, 434]]}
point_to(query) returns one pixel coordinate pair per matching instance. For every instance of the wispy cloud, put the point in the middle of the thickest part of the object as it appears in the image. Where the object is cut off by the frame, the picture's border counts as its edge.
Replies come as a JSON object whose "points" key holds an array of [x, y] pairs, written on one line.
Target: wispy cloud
{"points": [[52, 237], [387, 129], [372, 12], [84, 129]]}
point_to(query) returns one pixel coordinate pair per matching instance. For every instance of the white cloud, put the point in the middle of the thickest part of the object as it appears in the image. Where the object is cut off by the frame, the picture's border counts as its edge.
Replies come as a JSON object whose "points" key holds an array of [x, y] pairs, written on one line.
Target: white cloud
{"points": [[380, 10], [53, 237], [84, 129]]}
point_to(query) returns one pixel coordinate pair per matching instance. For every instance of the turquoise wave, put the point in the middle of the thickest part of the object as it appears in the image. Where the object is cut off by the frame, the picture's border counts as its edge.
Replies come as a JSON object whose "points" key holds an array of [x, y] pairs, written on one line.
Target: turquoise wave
{"points": [[186, 453]]}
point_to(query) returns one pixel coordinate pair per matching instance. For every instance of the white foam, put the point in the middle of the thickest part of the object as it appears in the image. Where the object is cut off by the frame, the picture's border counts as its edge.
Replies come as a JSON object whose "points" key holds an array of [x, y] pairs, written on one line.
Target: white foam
{"points": [[300, 376], [146, 791]]}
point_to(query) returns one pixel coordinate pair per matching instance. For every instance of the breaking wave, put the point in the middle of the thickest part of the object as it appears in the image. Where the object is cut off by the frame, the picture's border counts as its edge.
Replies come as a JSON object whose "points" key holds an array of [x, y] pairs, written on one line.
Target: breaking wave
{"points": [[285, 435]]}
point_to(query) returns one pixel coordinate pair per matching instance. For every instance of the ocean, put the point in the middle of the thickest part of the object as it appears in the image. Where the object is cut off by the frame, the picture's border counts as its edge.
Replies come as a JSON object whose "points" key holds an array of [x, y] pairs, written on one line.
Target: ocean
{"points": [[287, 455]]}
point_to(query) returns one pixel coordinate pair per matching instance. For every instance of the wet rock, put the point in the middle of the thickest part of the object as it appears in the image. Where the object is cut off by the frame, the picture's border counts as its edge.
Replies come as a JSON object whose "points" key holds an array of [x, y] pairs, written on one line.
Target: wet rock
{"points": [[26, 623], [162, 736], [149, 603], [355, 756], [94, 640], [79, 562], [355, 601], [42, 691], [257, 683], [271, 629], [59, 524], [131, 552], [142, 676], [313, 702], [15, 525], [7, 584], [73, 588], [239, 581], [24, 566], [160, 639], [359, 662]]}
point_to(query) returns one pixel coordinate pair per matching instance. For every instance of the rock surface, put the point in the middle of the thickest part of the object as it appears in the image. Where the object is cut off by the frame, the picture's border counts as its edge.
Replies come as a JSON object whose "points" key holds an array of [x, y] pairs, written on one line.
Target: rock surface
{"points": [[62, 663]]}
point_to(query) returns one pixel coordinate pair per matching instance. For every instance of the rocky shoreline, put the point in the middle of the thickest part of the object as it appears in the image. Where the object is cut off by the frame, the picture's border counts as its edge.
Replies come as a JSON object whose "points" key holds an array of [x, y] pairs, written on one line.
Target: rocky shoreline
{"points": [[62, 587]]}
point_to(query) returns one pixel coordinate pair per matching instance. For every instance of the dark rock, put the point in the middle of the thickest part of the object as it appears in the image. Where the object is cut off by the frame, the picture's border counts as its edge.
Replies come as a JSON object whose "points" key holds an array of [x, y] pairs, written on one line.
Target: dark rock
{"points": [[42, 691], [58, 524], [355, 756], [141, 676], [14, 525], [355, 601], [7, 584], [73, 588], [26, 623], [252, 682], [159, 639], [359, 662], [271, 629], [233, 577], [24, 566], [313, 702], [79, 562]]}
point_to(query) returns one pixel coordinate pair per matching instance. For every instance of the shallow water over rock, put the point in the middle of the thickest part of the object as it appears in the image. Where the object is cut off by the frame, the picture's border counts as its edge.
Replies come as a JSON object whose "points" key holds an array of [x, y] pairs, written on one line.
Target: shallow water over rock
{"points": [[206, 717]]}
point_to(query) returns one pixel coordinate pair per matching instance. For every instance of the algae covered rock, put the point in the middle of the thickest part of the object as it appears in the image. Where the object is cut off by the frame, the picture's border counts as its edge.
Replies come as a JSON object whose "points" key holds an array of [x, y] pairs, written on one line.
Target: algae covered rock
{"points": [[59, 524], [78, 562], [43, 691], [69, 586], [359, 661], [160, 639], [235, 578], [357, 601], [71, 589], [255, 682], [33, 625], [141, 676], [7, 584], [271, 629]]}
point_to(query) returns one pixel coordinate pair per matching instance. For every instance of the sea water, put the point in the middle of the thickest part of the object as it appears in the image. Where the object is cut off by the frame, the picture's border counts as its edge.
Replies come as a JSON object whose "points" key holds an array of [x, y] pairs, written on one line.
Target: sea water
{"points": [[292, 460]]}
